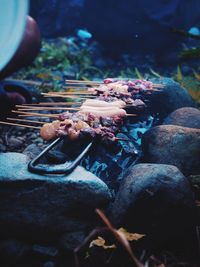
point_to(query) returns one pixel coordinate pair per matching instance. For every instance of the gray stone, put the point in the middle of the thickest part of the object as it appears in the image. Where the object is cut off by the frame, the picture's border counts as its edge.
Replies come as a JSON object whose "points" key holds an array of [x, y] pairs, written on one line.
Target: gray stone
{"points": [[186, 117], [15, 142], [174, 145], [31, 151], [41, 207], [154, 199], [172, 97]]}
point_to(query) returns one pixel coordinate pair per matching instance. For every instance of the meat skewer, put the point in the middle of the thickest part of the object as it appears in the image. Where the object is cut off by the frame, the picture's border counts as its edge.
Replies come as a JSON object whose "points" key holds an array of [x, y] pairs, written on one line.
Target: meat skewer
{"points": [[106, 81], [77, 125]]}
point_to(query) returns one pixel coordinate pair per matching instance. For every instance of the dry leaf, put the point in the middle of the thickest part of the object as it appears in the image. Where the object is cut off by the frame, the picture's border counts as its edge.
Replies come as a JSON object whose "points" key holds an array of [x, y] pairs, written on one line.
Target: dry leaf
{"points": [[100, 242], [120, 237], [130, 236]]}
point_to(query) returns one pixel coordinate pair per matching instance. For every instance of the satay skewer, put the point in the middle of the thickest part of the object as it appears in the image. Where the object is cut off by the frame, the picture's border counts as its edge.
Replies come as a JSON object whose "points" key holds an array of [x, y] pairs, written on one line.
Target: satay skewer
{"points": [[38, 128], [33, 114], [101, 82]]}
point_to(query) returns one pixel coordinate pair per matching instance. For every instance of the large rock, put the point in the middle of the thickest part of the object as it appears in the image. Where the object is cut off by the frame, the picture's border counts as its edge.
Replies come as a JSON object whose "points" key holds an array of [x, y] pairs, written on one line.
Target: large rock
{"points": [[172, 97], [119, 25], [45, 207], [174, 145], [154, 199], [187, 117]]}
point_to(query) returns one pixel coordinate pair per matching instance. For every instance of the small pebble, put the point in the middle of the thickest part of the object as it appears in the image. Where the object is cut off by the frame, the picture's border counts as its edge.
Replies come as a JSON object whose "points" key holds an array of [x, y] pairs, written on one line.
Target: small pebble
{"points": [[15, 143]]}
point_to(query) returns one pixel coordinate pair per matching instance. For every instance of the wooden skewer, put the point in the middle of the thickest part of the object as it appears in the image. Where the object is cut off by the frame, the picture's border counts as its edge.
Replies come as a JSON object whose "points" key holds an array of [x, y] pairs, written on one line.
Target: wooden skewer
{"points": [[131, 115], [72, 93], [67, 96], [47, 108], [51, 104], [22, 120], [83, 82], [32, 114], [77, 86], [34, 107], [20, 125], [101, 82]]}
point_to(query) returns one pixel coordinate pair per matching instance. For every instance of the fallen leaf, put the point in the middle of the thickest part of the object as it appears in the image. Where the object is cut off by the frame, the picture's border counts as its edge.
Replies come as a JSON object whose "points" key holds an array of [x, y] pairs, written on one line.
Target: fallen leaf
{"points": [[100, 242], [130, 236], [121, 238]]}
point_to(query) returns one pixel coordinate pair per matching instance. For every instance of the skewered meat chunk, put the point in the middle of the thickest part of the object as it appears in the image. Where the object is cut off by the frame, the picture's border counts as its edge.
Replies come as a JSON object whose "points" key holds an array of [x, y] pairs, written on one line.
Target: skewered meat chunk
{"points": [[81, 125], [78, 125], [48, 130], [122, 88]]}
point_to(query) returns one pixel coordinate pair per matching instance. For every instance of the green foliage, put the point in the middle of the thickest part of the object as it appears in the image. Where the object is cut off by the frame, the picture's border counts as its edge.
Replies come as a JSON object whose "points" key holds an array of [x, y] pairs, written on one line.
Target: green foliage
{"points": [[57, 59], [61, 58], [190, 82]]}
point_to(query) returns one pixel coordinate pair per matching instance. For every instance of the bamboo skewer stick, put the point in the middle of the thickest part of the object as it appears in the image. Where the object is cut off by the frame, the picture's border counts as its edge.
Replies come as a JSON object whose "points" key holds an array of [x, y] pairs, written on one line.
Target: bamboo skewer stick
{"points": [[52, 103], [95, 93], [36, 83], [34, 107], [40, 107], [73, 93], [32, 114], [22, 120], [101, 82], [67, 96], [20, 125], [83, 82], [47, 108]]}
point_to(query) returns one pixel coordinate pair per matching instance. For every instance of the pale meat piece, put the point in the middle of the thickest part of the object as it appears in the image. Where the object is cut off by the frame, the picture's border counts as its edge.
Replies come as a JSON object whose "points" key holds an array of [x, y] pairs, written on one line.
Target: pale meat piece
{"points": [[106, 113], [91, 109], [101, 103]]}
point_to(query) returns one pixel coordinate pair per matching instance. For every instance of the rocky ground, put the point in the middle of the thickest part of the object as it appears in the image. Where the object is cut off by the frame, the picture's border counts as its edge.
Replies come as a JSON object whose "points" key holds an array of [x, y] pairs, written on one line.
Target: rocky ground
{"points": [[43, 219]]}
